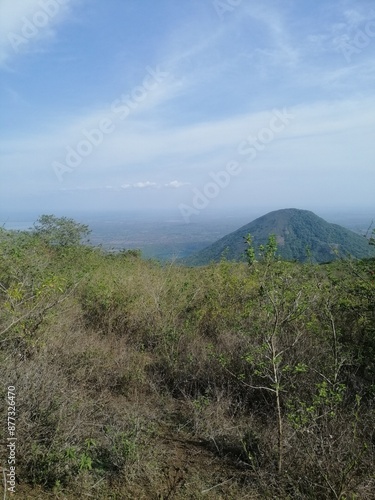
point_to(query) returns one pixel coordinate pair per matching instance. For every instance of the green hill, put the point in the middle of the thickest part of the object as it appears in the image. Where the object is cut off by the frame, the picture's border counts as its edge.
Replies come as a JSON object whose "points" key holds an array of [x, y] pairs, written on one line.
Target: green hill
{"points": [[297, 232]]}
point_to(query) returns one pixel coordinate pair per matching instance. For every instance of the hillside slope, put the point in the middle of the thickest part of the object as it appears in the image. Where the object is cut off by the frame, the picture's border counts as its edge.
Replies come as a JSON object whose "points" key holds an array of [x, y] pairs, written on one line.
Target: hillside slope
{"points": [[140, 381], [296, 231]]}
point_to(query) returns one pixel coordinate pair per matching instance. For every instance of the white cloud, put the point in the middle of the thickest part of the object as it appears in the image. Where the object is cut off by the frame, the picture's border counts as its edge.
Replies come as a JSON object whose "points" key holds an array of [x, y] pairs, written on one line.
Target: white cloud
{"points": [[207, 145], [23, 23], [176, 184], [146, 184]]}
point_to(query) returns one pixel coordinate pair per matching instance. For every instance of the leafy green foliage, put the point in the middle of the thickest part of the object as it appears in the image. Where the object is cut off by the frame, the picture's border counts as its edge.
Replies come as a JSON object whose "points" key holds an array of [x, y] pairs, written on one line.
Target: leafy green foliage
{"points": [[250, 252], [60, 231], [124, 365]]}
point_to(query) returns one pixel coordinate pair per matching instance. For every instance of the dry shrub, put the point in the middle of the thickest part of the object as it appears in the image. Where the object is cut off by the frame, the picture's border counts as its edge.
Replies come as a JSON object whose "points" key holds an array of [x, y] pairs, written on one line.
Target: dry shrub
{"points": [[72, 417], [154, 381]]}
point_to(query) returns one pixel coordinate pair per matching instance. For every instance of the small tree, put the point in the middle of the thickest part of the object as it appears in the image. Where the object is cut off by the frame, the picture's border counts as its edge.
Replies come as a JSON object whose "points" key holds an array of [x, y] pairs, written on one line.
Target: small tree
{"points": [[281, 308], [60, 231], [249, 252]]}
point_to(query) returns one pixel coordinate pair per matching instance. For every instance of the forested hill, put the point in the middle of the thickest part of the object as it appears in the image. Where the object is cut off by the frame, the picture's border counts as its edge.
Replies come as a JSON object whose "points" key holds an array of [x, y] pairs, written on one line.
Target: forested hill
{"points": [[300, 235]]}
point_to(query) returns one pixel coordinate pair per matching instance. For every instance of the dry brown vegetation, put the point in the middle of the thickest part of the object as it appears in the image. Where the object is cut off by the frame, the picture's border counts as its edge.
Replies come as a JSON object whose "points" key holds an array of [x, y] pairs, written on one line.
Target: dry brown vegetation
{"points": [[135, 380]]}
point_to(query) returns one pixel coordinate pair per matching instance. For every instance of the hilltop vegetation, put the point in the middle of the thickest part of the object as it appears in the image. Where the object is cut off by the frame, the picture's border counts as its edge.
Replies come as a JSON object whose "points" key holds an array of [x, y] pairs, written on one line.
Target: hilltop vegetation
{"points": [[301, 236], [136, 380]]}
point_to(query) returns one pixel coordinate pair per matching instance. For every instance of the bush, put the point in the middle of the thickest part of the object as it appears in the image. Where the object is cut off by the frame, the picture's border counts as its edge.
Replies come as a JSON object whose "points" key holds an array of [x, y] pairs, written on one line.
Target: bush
{"points": [[132, 376]]}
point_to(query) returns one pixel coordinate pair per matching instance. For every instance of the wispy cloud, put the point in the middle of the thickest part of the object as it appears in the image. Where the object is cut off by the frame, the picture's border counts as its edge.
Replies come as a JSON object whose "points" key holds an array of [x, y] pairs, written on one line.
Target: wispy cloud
{"points": [[284, 51], [23, 24], [219, 82], [202, 146]]}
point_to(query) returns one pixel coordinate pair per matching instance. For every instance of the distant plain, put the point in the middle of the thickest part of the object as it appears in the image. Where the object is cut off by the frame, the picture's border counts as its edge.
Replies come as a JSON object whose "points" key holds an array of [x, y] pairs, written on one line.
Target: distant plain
{"points": [[165, 235]]}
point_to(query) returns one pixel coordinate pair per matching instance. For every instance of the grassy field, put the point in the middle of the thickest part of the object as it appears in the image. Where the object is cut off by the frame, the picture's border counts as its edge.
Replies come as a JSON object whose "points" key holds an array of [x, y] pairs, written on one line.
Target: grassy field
{"points": [[136, 380]]}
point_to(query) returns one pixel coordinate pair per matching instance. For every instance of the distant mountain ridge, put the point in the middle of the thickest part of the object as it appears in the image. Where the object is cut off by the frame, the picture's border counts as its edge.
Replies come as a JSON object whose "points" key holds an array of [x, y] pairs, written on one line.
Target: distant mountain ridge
{"points": [[300, 234]]}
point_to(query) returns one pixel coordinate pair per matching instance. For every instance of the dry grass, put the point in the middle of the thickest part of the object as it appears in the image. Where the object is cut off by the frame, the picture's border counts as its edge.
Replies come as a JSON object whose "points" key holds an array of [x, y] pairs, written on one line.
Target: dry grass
{"points": [[151, 382]]}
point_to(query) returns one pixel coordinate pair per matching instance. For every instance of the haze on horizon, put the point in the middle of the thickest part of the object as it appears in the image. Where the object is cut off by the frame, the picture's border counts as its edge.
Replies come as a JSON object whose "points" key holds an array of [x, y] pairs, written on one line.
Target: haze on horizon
{"points": [[111, 106]]}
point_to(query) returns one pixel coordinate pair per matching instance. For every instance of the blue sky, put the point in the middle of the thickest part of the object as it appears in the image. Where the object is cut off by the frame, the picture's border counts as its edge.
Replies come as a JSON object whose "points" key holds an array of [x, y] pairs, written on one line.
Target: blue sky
{"points": [[186, 105]]}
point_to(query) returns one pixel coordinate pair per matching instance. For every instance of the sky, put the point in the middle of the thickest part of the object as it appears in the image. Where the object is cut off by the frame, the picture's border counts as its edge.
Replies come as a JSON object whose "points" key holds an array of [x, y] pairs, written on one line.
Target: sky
{"points": [[186, 105]]}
